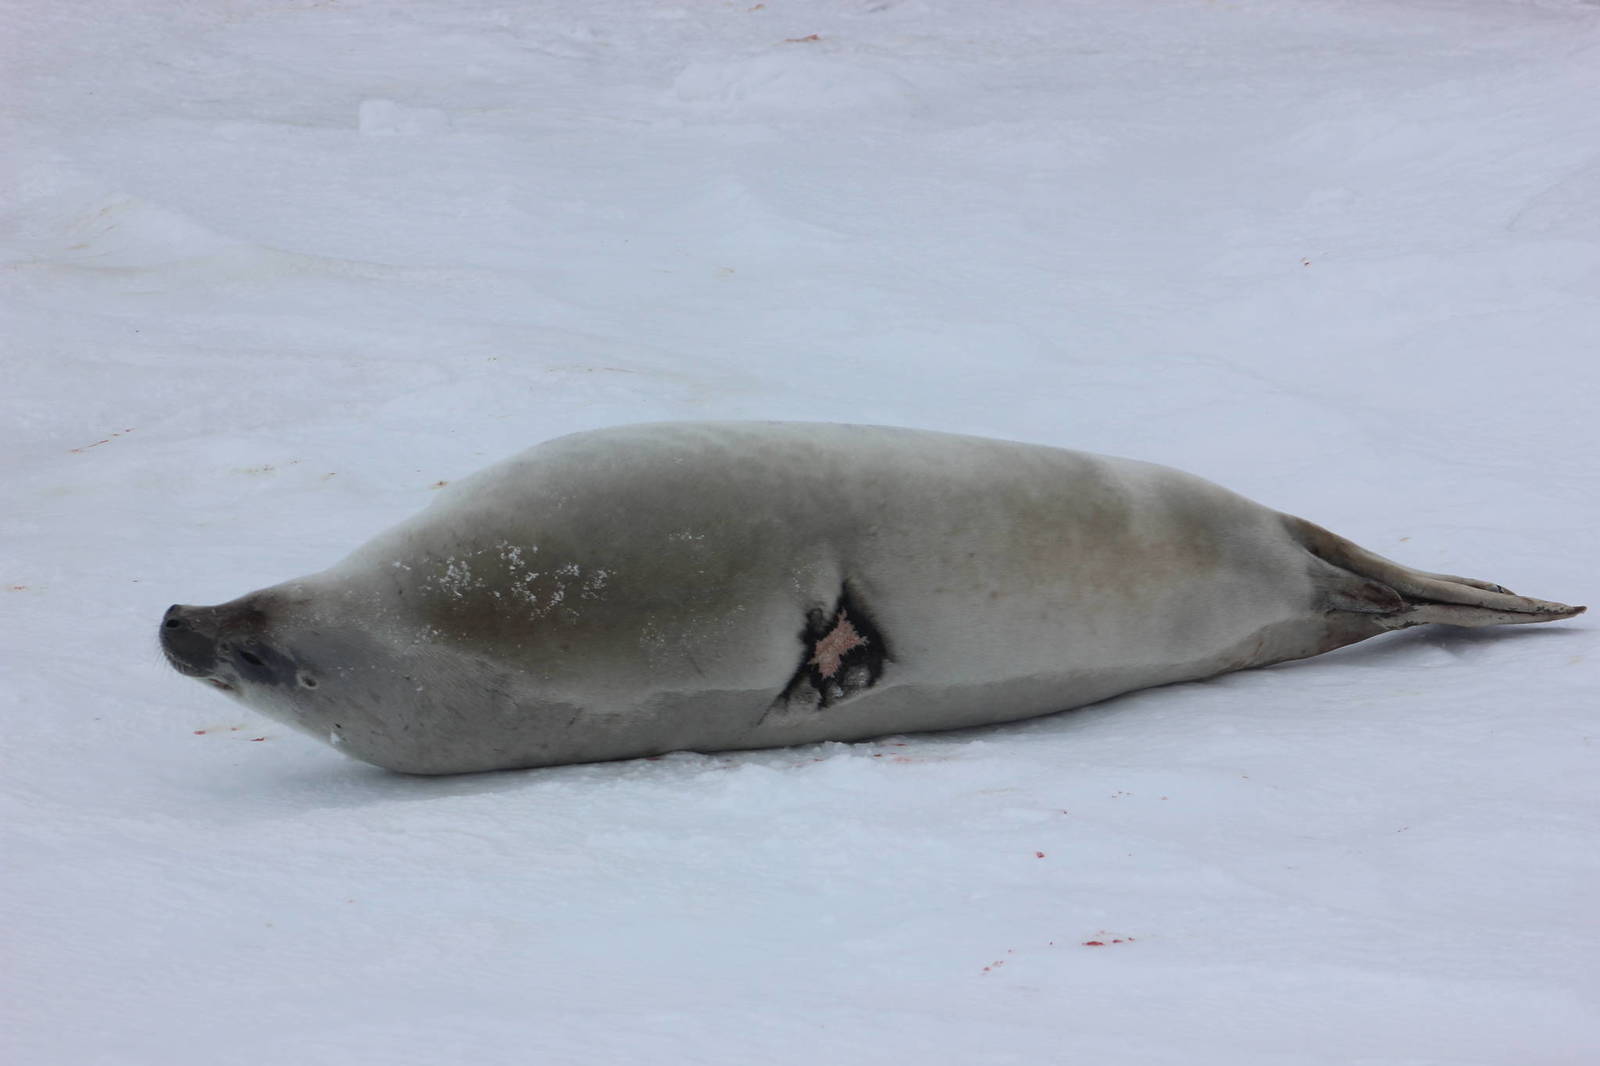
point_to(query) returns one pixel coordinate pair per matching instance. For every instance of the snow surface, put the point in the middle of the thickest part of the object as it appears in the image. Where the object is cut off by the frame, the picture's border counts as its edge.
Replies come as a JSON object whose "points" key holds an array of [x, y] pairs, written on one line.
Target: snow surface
{"points": [[274, 268]]}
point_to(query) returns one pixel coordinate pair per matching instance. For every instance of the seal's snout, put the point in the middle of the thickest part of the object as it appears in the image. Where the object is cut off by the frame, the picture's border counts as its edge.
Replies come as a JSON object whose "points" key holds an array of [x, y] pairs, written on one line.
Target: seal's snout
{"points": [[222, 644], [189, 641]]}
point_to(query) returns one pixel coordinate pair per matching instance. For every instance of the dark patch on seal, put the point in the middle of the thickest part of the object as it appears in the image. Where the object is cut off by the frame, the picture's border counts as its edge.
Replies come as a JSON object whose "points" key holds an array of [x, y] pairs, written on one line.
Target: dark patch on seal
{"points": [[843, 654], [263, 664]]}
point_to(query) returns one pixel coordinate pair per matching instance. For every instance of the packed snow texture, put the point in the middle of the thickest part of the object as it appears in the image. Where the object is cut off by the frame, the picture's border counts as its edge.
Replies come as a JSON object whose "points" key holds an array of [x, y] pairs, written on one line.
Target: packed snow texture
{"points": [[274, 269]]}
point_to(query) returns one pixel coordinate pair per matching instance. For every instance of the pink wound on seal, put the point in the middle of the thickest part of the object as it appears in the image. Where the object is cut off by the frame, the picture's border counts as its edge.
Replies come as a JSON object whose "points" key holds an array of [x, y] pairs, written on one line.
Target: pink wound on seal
{"points": [[842, 653], [833, 647]]}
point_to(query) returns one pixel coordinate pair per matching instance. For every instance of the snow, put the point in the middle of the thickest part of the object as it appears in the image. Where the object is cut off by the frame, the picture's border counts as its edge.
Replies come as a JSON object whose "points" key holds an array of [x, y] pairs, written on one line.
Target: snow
{"points": [[275, 268]]}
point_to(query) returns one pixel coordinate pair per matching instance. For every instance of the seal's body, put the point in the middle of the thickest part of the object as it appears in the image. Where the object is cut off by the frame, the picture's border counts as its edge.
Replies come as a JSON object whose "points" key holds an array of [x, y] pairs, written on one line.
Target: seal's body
{"points": [[715, 586]]}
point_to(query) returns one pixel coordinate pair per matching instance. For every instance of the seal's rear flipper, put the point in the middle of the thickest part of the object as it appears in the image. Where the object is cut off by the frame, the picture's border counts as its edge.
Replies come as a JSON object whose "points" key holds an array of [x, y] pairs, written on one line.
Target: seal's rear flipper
{"points": [[1360, 581]]}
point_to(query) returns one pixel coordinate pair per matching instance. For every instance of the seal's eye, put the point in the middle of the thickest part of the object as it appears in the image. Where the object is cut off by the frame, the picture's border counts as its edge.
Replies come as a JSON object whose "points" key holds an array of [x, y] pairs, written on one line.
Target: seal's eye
{"points": [[253, 660]]}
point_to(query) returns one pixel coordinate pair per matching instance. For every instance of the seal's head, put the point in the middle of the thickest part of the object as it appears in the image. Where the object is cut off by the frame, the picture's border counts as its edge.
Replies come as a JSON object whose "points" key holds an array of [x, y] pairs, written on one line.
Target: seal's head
{"points": [[284, 653], [341, 664], [228, 646]]}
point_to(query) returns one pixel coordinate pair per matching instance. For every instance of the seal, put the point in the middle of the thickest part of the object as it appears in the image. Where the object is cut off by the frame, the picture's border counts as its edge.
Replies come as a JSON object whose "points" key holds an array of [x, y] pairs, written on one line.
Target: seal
{"points": [[718, 586]]}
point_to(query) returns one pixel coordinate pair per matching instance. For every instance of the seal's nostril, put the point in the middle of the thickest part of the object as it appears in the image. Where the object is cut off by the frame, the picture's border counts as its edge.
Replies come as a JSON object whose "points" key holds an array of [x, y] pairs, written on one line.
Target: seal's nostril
{"points": [[173, 623]]}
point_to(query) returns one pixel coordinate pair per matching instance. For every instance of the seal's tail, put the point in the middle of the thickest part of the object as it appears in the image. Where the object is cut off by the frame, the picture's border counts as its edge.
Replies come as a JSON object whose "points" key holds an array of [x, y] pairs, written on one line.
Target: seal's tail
{"points": [[1361, 581]]}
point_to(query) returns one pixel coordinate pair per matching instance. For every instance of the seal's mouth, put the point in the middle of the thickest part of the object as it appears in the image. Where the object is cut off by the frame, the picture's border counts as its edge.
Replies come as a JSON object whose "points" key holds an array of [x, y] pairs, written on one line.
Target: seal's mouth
{"points": [[197, 671]]}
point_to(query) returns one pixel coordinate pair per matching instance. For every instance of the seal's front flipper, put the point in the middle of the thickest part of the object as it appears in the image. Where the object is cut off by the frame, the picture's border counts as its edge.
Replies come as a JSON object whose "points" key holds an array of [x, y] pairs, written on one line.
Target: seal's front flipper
{"points": [[1354, 579]]}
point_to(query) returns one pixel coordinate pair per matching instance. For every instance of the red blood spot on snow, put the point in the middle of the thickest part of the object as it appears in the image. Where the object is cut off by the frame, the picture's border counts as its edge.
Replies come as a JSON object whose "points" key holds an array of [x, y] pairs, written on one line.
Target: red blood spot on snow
{"points": [[257, 740], [199, 732], [1038, 854], [96, 444], [1094, 943]]}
